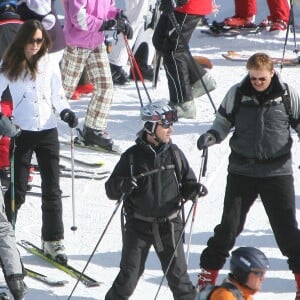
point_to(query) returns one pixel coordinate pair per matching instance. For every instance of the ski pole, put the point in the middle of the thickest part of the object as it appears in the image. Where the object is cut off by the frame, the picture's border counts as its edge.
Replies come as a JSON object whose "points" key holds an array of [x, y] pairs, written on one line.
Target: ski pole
{"points": [[99, 241], [73, 227], [12, 183], [191, 60], [201, 173], [175, 250], [136, 68]]}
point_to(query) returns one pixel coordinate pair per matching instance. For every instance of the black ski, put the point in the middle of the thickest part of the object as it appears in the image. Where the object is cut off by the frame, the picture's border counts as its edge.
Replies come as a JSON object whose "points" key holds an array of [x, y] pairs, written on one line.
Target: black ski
{"points": [[33, 249], [45, 279], [220, 29]]}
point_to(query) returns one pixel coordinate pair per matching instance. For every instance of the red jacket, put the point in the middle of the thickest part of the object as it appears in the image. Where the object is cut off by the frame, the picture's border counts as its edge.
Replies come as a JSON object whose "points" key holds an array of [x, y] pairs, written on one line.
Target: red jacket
{"points": [[196, 7]]}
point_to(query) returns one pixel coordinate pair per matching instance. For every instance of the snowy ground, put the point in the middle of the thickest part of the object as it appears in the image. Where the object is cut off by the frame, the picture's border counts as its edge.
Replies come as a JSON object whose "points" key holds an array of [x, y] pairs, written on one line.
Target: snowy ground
{"points": [[93, 209]]}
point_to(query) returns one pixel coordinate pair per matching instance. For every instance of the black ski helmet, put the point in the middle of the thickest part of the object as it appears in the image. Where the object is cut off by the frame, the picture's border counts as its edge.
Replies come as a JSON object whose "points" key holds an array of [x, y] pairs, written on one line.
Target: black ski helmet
{"points": [[247, 259], [155, 112]]}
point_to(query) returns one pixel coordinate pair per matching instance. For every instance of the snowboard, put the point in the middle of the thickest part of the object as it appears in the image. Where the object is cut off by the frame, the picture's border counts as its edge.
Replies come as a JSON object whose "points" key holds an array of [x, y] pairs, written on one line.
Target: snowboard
{"points": [[238, 56]]}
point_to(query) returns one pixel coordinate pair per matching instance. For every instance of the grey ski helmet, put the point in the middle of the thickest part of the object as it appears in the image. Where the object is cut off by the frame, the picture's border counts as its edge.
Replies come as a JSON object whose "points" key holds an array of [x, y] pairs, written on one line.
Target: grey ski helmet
{"points": [[247, 259], [155, 112]]}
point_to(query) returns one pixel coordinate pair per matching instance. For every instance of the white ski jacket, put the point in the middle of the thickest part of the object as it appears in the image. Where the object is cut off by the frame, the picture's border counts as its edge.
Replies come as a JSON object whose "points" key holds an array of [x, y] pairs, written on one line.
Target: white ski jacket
{"points": [[35, 102]]}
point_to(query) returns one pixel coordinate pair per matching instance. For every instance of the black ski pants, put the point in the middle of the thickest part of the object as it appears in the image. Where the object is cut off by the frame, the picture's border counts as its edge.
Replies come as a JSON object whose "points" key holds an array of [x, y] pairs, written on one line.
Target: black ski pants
{"points": [[138, 239], [179, 69], [278, 198], [45, 144]]}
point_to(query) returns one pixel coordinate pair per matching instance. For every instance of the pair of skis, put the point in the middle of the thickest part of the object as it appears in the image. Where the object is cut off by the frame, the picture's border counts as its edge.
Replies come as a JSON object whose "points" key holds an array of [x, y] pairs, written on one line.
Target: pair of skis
{"points": [[67, 268]]}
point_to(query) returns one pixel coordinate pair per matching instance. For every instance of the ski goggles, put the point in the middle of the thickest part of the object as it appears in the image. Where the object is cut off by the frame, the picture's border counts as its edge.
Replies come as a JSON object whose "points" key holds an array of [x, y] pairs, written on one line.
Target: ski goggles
{"points": [[259, 273], [167, 117], [165, 125]]}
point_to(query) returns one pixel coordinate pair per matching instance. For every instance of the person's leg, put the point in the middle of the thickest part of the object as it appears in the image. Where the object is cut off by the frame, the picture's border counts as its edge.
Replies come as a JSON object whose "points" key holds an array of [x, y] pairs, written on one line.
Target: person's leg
{"points": [[245, 8], [47, 154], [72, 65], [22, 158], [278, 198], [134, 254], [279, 14], [240, 194], [245, 12], [177, 276]]}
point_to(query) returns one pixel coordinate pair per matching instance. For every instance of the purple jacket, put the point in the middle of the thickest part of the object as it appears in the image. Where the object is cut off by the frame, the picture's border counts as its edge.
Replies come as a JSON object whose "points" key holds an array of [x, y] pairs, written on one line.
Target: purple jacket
{"points": [[83, 18]]}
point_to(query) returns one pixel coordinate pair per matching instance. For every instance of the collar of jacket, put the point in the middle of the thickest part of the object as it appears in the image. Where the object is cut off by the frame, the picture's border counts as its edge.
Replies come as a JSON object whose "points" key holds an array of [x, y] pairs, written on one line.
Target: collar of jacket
{"points": [[275, 90], [142, 142]]}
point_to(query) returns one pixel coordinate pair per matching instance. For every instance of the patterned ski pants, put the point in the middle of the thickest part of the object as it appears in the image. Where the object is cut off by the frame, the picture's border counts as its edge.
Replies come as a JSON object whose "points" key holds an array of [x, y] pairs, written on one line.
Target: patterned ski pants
{"points": [[98, 70]]}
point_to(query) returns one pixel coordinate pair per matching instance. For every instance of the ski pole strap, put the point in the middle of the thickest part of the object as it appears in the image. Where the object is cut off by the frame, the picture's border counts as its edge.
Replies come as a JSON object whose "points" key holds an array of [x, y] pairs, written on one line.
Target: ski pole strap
{"points": [[160, 169]]}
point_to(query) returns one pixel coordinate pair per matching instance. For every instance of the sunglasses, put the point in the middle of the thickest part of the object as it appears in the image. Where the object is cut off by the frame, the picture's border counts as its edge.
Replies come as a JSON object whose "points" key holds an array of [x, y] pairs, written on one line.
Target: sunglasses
{"points": [[258, 78], [166, 125], [259, 273], [36, 41]]}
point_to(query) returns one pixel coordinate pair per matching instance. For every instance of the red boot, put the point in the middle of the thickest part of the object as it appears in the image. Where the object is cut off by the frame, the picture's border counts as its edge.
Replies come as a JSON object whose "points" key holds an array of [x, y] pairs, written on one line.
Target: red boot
{"points": [[85, 88], [207, 277]]}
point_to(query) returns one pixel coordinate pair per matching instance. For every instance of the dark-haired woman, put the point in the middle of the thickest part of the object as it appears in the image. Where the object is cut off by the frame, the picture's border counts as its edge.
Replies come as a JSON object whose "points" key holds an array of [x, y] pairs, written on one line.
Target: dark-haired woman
{"points": [[36, 89]]}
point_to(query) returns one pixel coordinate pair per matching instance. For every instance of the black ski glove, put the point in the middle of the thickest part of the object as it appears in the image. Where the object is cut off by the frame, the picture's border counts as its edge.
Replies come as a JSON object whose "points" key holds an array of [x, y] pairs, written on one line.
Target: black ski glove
{"points": [[7, 128], [205, 140], [69, 117], [123, 25], [107, 25], [128, 184], [190, 190]]}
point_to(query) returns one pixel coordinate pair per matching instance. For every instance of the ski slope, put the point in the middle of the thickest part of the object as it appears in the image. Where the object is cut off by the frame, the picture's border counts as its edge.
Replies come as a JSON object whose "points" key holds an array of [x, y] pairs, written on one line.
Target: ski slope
{"points": [[93, 209]]}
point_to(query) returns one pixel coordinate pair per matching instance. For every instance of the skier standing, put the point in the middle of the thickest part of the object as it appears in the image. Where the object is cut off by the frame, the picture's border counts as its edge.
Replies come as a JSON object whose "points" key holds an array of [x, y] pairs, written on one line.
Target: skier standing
{"points": [[175, 59], [37, 93], [261, 108], [85, 23], [10, 258], [146, 174]]}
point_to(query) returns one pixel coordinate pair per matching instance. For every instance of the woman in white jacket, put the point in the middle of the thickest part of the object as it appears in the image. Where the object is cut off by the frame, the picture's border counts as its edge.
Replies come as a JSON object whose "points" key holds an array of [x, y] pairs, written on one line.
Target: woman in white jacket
{"points": [[37, 93]]}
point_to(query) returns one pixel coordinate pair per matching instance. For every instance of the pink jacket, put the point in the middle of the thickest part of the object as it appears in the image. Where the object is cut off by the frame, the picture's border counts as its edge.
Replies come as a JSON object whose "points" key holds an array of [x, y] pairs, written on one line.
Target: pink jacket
{"points": [[83, 18]]}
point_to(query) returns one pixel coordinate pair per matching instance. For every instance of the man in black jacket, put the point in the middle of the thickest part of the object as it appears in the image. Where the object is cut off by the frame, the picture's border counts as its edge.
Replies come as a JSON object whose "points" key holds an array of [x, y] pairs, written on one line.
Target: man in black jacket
{"points": [[154, 176], [261, 108]]}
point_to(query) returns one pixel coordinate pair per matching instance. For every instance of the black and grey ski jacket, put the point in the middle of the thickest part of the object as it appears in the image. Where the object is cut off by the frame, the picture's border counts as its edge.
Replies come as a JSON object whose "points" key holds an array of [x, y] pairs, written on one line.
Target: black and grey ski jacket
{"points": [[261, 141], [158, 193]]}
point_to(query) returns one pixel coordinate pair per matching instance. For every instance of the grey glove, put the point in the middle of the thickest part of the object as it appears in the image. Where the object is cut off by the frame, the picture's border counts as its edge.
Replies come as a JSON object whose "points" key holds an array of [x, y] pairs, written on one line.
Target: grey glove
{"points": [[7, 128], [205, 140]]}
